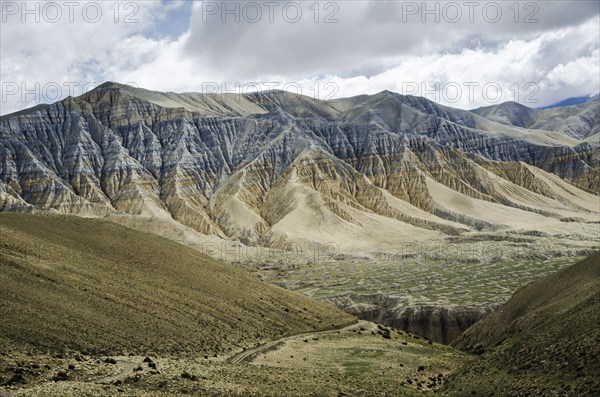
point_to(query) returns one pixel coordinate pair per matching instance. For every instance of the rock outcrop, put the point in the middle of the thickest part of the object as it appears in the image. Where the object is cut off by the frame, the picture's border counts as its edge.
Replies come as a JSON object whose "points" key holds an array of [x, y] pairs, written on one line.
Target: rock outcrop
{"points": [[442, 324]]}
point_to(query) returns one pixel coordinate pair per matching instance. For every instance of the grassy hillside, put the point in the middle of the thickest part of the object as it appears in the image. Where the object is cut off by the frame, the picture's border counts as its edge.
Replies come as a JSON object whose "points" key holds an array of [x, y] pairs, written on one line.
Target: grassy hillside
{"points": [[91, 308], [73, 284], [545, 341]]}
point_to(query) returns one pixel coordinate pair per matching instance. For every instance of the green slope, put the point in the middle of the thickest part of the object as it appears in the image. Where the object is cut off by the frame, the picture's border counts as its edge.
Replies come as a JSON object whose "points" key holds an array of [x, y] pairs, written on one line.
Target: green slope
{"points": [[91, 308], [545, 341], [69, 283]]}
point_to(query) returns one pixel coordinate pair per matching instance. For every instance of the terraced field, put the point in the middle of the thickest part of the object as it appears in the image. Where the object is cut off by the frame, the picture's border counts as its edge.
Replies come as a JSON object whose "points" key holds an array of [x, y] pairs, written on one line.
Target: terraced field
{"points": [[416, 280], [436, 292]]}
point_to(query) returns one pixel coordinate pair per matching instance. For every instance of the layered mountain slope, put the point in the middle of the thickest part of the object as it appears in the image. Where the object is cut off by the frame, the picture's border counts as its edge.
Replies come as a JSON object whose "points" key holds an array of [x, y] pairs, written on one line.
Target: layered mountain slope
{"points": [[274, 168], [578, 121], [511, 113], [88, 285], [543, 341]]}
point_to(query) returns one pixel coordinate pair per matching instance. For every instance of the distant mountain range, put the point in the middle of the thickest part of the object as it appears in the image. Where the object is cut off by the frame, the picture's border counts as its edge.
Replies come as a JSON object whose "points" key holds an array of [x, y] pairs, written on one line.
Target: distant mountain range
{"points": [[274, 168], [573, 101]]}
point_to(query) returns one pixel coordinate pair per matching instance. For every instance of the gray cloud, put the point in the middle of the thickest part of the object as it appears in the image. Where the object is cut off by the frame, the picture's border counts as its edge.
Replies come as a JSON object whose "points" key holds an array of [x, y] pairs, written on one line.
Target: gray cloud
{"points": [[367, 33], [374, 45]]}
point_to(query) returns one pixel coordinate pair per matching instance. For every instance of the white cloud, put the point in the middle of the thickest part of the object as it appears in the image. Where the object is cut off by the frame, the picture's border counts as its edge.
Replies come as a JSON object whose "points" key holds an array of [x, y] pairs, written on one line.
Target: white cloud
{"points": [[48, 49], [371, 49], [537, 72]]}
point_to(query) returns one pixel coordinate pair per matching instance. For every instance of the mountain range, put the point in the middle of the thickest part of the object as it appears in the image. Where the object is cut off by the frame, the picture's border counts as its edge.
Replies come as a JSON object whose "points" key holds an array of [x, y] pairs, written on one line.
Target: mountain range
{"points": [[366, 173], [573, 101]]}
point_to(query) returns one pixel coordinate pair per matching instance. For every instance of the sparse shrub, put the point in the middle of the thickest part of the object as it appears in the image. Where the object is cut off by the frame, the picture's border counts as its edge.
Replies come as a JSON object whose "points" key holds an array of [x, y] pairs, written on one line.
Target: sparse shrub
{"points": [[61, 376], [479, 350], [133, 379], [187, 375], [16, 379], [384, 332]]}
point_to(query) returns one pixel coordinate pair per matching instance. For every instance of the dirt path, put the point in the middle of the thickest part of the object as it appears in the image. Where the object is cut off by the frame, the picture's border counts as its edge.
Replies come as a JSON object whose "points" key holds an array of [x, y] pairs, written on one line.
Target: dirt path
{"points": [[128, 369], [248, 354]]}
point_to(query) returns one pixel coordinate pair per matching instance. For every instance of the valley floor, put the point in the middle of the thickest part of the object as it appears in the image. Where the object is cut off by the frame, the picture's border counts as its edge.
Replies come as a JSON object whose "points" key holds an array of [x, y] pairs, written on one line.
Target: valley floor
{"points": [[359, 360], [90, 308]]}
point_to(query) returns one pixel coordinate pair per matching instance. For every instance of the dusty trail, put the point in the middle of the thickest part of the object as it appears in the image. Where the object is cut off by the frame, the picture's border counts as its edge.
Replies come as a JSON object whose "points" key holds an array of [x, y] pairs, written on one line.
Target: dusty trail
{"points": [[247, 355], [128, 369]]}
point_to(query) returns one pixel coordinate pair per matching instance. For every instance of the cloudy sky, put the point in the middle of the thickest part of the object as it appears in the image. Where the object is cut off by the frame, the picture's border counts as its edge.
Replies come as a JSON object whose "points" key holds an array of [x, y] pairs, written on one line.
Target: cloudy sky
{"points": [[464, 54]]}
